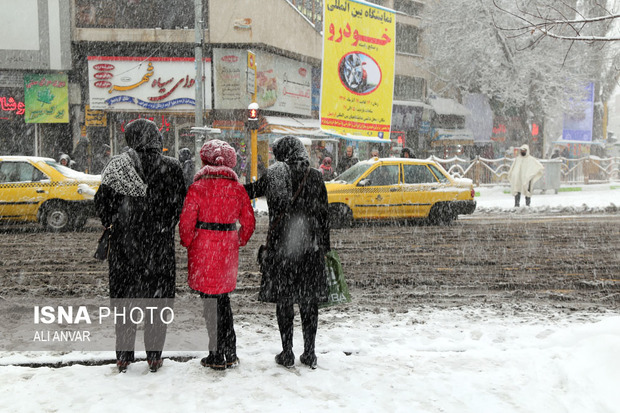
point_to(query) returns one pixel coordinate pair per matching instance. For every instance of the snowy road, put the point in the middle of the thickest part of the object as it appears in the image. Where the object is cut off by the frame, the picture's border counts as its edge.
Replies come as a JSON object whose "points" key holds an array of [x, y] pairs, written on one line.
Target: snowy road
{"points": [[570, 260], [500, 312]]}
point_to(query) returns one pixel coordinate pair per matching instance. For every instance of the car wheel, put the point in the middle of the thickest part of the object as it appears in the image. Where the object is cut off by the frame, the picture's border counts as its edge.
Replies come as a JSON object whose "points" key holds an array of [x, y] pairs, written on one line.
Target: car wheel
{"points": [[79, 221], [340, 216], [441, 214], [57, 217]]}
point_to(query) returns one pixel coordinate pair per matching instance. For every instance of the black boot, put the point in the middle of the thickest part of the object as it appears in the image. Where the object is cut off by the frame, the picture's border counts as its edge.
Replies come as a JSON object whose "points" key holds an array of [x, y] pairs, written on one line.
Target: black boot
{"points": [[155, 365], [527, 201], [216, 361], [285, 314], [122, 365], [286, 358], [309, 322], [517, 200], [232, 361], [309, 360]]}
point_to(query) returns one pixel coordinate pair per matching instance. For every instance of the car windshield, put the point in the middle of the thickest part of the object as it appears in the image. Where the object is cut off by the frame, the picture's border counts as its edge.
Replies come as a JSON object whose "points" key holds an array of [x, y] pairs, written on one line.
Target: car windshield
{"points": [[68, 172], [353, 173], [440, 173]]}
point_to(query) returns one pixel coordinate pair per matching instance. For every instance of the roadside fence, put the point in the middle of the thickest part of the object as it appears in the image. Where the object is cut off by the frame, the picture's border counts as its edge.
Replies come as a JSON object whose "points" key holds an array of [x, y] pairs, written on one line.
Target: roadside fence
{"points": [[585, 170]]}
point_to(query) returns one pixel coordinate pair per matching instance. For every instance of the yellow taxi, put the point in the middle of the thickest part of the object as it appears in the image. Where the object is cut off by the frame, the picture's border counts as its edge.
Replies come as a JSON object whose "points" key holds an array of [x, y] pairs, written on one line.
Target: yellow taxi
{"points": [[398, 188], [40, 189]]}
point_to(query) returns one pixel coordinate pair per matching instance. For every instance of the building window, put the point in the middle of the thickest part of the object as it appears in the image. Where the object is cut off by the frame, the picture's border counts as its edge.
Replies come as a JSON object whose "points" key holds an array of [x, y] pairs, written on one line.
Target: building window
{"points": [[135, 14], [407, 39], [409, 88], [409, 7]]}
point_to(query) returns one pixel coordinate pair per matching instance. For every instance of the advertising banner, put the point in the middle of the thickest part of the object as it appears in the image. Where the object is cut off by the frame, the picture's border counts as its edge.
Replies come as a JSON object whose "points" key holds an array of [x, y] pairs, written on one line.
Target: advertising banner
{"points": [[578, 123], [46, 97], [358, 69], [282, 84], [141, 84]]}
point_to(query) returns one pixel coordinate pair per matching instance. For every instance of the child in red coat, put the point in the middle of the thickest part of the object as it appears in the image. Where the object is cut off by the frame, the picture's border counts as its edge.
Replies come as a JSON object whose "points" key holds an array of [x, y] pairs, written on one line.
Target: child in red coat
{"points": [[215, 202]]}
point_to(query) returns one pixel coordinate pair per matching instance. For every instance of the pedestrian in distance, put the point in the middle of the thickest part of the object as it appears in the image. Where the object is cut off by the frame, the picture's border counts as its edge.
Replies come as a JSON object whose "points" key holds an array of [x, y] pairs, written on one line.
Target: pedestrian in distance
{"points": [[187, 163], [374, 153], [346, 161], [140, 200], [81, 155], [102, 158], [215, 202], [524, 172], [326, 169], [293, 264], [64, 160], [406, 153]]}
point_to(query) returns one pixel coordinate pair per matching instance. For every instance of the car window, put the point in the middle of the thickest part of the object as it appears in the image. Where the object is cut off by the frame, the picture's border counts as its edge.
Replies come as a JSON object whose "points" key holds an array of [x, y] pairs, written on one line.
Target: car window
{"points": [[439, 174], [350, 175], [68, 172], [418, 174], [19, 172], [384, 175]]}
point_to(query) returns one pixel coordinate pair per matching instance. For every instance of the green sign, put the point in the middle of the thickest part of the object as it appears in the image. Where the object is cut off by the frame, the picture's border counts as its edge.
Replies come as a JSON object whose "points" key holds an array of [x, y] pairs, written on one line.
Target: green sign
{"points": [[46, 98]]}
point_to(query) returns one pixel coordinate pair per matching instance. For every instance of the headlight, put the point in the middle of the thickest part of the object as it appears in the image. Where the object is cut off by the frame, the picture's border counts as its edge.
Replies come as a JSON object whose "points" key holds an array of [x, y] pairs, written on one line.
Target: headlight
{"points": [[86, 191]]}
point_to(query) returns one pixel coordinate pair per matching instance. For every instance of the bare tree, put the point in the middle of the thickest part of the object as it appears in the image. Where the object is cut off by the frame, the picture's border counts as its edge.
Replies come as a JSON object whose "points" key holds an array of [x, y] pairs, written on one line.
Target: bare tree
{"points": [[523, 77], [559, 19]]}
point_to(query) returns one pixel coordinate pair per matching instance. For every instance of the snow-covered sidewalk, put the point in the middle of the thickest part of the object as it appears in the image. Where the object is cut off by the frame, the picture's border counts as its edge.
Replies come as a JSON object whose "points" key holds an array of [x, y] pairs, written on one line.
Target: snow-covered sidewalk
{"points": [[425, 360], [581, 198]]}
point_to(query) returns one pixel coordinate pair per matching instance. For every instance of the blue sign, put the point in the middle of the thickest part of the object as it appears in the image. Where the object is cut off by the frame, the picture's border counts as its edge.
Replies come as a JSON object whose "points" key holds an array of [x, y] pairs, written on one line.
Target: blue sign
{"points": [[578, 123]]}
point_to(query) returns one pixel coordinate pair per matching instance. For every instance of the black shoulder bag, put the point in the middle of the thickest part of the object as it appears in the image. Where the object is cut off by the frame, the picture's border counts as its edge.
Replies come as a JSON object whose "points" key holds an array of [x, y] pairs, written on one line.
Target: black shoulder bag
{"points": [[262, 250], [103, 247]]}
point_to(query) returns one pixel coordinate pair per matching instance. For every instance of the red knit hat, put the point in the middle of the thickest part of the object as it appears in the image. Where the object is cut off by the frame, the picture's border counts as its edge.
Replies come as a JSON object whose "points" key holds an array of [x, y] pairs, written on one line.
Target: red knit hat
{"points": [[216, 153]]}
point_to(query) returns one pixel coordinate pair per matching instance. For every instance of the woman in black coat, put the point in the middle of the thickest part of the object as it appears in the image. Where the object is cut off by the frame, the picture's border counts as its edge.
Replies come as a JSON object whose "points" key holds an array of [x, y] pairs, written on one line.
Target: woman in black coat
{"points": [[141, 197], [298, 239]]}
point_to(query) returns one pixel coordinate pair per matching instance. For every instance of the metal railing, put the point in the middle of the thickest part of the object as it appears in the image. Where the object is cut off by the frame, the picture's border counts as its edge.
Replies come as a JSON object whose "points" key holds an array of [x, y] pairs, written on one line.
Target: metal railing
{"points": [[585, 170]]}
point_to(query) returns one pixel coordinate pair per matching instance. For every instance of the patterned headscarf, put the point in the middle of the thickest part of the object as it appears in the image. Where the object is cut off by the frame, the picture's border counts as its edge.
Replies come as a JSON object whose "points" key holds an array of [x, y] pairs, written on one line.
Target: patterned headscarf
{"points": [[142, 135], [124, 174]]}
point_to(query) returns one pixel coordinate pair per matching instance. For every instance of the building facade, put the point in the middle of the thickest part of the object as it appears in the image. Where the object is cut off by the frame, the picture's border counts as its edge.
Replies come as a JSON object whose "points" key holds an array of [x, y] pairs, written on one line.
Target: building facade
{"points": [[135, 58]]}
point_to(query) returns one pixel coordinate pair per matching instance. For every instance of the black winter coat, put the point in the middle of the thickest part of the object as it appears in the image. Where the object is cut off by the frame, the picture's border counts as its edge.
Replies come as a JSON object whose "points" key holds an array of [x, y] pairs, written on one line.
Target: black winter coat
{"points": [[298, 241], [142, 244]]}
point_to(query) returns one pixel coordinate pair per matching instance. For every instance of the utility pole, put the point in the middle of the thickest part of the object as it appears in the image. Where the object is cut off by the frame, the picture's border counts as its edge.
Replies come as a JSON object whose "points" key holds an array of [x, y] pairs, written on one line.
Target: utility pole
{"points": [[199, 110]]}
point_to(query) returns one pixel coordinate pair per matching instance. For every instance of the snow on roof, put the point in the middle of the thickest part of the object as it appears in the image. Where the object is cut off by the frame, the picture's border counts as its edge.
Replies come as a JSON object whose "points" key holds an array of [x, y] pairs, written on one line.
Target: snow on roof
{"points": [[443, 106], [24, 158]]}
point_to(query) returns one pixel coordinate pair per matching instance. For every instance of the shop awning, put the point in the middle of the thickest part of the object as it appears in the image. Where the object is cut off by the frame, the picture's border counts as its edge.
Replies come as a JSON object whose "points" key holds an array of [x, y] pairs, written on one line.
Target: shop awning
{"points": [[569, 142], [280, 125], [443, 106], [411, 103], [448, 137], [355, 138]]}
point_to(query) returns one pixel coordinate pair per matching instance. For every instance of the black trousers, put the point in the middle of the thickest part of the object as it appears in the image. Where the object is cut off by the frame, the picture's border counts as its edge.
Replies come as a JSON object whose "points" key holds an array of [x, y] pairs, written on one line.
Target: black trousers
{"points": [[154, 327], [220, 324], [309, 312]]}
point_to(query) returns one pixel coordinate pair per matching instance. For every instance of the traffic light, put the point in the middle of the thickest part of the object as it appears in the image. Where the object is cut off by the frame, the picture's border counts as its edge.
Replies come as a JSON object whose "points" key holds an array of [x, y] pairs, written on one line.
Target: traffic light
{"points": [[253, 117]]}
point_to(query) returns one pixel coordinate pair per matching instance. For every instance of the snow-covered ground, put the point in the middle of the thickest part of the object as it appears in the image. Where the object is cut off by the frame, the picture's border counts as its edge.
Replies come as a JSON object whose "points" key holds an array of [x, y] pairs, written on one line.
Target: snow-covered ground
{"points": [[579, 198], [467, 359]]}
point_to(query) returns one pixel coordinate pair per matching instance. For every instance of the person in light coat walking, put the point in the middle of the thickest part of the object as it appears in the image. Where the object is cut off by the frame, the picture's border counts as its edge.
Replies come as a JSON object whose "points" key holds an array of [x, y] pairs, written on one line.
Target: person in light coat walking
{"points": [[523, 173], [215, 202]]}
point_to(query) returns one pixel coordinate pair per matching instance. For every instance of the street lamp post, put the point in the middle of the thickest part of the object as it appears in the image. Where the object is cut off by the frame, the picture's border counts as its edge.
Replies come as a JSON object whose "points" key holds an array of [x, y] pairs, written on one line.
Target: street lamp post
{"points": [[253, 123]]}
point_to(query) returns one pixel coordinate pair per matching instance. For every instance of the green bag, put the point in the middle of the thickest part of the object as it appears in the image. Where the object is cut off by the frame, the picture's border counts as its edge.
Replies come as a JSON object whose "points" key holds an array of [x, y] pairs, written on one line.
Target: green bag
{"points": [[338, 290]]}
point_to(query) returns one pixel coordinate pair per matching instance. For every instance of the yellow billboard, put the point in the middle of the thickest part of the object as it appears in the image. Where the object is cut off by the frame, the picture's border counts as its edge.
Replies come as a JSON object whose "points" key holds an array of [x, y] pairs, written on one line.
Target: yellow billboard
{"points": [[358, 69]]}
